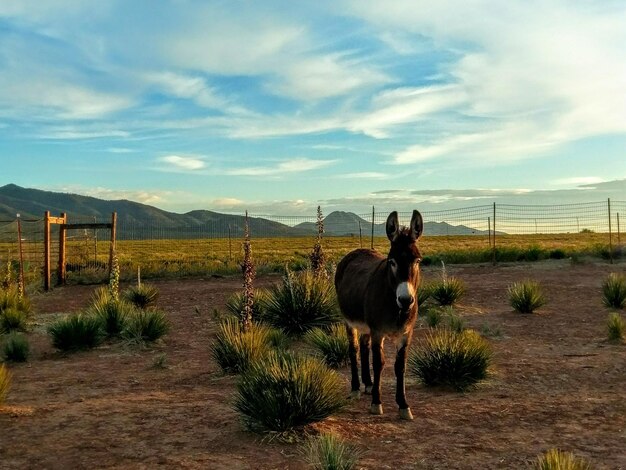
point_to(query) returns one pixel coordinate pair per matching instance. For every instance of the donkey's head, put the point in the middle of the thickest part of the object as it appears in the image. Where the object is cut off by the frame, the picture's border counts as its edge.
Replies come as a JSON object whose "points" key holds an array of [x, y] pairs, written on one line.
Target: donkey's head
{"points": [[403, 258]]}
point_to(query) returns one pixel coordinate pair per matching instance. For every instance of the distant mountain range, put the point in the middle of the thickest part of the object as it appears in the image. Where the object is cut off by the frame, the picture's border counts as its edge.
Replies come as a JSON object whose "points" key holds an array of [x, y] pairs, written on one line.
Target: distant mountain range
{"points": [[137, 221]]}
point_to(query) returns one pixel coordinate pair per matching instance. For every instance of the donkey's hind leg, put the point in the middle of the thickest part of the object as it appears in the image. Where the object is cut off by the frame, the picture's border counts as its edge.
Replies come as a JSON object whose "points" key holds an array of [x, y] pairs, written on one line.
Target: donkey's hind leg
{"points": [[365, 343], [354, 366]]}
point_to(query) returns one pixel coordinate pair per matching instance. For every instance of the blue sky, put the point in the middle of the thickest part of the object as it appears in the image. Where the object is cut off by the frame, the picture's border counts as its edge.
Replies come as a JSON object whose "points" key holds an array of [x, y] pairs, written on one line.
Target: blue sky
{"points": [[279, 106]]}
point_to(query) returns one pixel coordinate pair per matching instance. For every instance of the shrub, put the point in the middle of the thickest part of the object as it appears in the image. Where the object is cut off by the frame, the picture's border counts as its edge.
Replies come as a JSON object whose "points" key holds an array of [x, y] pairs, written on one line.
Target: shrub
{"points": [[557, 253], [235, 304], [5, 382], [11, 299], [301, 302], [448, 291], [145, 326], [235, 349], [13, 319], [432, 315], [554, 459], [329, 452], [526, 296], [332, 345], [616, 327], [287, 390], [424, 291], [446, 358], [76, 332], [16, 348], [141, 296], [112, 313], [454, 321], [614, 291]]}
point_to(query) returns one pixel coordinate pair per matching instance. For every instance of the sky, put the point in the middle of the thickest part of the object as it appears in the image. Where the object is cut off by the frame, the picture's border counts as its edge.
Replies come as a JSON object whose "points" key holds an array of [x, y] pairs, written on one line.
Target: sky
{"points": [[278, 106]]}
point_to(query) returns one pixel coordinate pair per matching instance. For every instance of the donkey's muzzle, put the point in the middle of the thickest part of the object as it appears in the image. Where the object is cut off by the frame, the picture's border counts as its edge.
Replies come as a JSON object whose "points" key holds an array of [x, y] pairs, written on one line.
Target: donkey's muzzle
{"points": [[405, 302]]}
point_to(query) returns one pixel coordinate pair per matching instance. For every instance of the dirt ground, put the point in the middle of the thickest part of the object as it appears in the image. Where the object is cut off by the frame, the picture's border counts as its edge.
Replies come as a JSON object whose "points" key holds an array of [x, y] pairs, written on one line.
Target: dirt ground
{"points": [[556, 383]]}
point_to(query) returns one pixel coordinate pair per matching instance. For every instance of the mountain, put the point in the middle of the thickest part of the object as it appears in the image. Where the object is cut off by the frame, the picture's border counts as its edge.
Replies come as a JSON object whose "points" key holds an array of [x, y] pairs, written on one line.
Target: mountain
{"points": [[139, 221]]}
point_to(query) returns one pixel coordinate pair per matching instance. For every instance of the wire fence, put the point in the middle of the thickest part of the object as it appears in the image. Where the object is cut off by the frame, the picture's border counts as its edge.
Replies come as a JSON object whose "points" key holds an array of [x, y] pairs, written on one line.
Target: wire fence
{"points": [[205, 243]]}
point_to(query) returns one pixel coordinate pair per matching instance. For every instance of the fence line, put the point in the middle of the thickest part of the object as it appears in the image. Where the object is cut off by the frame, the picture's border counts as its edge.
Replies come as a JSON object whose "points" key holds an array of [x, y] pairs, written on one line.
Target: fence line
{"points": [[204, 244]]}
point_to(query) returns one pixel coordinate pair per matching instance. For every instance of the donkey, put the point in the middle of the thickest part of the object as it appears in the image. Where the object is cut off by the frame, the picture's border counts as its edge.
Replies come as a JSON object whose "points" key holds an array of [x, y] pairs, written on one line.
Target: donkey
{"points": [[378, 296]]}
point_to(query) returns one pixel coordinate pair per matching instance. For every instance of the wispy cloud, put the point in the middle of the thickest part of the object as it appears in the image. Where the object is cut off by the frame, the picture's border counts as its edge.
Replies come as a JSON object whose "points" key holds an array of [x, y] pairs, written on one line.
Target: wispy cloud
{"points": [[296, 165], [183, 163]]}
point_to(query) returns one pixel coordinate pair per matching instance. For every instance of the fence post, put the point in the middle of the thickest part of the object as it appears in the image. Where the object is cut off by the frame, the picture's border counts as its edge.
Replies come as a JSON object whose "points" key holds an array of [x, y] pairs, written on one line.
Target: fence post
{"points": [[112, 248], [95, 244], [360, 236], [493, 253], [372, 242], [62, 250], [46, 256], [19, 244], [619, 238], [230, 247], [489, 230], [610, 234]]}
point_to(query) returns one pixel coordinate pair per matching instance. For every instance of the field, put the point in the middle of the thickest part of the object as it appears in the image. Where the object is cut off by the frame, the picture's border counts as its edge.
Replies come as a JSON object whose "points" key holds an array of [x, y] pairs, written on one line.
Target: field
{"points": [[556, 382]]}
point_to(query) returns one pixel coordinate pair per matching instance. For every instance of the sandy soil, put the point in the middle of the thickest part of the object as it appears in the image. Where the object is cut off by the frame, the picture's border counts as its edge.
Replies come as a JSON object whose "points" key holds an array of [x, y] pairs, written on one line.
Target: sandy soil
{"points": [[556, 383]]}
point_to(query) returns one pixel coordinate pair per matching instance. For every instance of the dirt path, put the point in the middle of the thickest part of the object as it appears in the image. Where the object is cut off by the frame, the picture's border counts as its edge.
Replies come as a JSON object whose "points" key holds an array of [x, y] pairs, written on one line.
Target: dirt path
{"points": [[556, 383]]}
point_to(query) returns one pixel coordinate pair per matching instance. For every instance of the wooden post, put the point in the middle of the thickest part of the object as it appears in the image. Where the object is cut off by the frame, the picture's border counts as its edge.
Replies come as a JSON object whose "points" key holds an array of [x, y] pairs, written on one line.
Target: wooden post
{"points": [[360, 236], [46, 256], [230, 245], [373, 215], [494, 234], [489, 229], [19, 243], [62, 251], [113, 235], [619, 239], [610, 234]]}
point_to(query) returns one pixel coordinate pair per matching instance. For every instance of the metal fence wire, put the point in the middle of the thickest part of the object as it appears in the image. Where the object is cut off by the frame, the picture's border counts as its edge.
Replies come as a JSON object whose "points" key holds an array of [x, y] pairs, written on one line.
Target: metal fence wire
{"points": [[212, 243]]}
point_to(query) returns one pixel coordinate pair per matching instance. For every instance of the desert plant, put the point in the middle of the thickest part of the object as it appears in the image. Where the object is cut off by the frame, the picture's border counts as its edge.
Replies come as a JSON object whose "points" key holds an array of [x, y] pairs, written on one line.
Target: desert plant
{"points": [[5, 382], [526, 296], [114, 277], [555, 459], [235, 349], [237, 301], [453, 321], [13, 319], [329, 452], [145, 326], [614, 291], [248, 271], [447, 358], [317, 256], [332, 345], [16, 348], [286, 390], [112, 313], [432, 315], [160, 361], [75, 332], [301, 302], [142, 296], [447, 291], [616, 327], [10, 299], [424, 291]]}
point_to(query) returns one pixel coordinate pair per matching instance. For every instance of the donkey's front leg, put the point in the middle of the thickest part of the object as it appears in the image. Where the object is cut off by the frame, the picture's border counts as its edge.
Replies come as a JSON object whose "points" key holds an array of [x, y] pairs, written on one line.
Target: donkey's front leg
{"points": [[353, 349], [366, 377], [400, 368], [378, 364]]}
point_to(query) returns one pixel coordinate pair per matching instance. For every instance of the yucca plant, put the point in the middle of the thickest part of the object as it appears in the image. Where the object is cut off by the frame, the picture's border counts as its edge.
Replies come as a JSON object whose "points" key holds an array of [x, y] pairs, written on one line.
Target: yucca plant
{"points": [[526, 296], [145, 326], [5, 382], [332, 344], [237, 301], [302, 301], [447, 291], [432, 315], [234, 348], [329, 452], [113, 313], [13, 319], [10, 299], [424, 292], [16, 348], [616, 327], [142, 296], [555, 459], [447, 358], [287, 390], [75, 332], [614, 291]]}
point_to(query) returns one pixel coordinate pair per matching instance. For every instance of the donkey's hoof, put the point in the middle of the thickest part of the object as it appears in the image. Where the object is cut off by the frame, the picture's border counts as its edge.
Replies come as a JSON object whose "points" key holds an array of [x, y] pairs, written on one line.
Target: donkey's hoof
{"points": [[376, 409], [405, 413], [368, 389], [355, 394]]}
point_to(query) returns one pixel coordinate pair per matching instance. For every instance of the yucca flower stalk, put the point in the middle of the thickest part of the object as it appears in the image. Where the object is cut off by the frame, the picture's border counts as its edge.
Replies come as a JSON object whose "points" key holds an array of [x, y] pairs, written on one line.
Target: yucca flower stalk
{"points": [[114, 278], [8, 275], [248, 278], [317, 257]]}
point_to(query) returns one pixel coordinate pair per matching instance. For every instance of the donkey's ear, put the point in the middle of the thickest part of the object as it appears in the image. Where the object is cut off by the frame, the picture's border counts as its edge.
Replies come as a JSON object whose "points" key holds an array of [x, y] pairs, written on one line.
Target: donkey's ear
{"points": [[392, 226], [417, 225]]}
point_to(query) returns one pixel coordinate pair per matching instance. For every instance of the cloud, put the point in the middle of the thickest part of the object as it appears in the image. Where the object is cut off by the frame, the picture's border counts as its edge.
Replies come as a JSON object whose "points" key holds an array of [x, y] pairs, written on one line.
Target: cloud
{"points": [[183, 163], [296, 165], [364, 175], [578, 180], [150, 197]]}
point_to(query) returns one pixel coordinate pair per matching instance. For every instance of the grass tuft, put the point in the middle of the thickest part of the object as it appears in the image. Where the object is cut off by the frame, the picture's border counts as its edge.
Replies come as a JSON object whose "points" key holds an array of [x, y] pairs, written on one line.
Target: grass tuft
{"points": [[447, 291], [5, 382], [447, 358], [286, 390], [145, 326], [112, 313], [329, 452], [235, 349], [236, 303], [555, 459], [302, 302], [13, 319], [16, 348], [616, 327], [526, 296], [614, 291], [332, 345], [142, 296], [76, 332]]}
